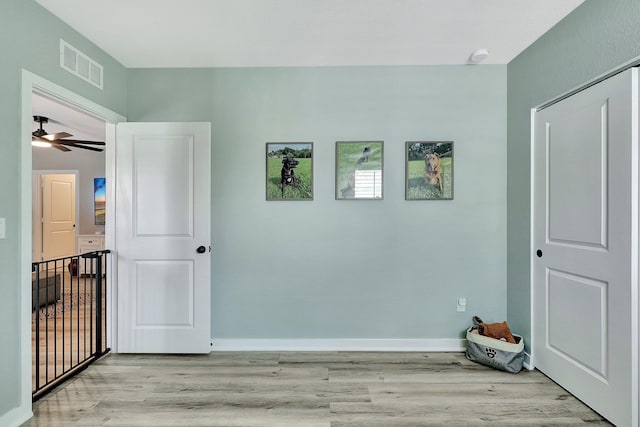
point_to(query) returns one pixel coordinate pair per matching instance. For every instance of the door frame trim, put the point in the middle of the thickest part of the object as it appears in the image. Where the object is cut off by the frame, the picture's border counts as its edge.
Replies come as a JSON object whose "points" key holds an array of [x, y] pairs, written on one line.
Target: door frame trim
{"points": [[532, 361], [635, 243], [32, 83]]}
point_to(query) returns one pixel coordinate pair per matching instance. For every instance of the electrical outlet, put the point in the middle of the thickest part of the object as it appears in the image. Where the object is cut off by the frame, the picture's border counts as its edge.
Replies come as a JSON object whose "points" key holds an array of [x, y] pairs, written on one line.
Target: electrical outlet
{"points": [[461, 304], [3, 228]]}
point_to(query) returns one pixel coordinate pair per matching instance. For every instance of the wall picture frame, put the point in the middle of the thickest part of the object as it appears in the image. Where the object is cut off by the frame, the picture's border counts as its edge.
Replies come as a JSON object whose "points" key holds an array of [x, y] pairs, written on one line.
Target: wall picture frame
{"points": [[429, 170], [359, 170], [99, 200], [289, 171]]}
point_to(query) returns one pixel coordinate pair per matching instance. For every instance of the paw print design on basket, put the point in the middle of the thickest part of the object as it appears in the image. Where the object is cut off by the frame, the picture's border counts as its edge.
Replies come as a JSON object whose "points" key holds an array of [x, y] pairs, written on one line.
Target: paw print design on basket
{"points": [[490, 352]]}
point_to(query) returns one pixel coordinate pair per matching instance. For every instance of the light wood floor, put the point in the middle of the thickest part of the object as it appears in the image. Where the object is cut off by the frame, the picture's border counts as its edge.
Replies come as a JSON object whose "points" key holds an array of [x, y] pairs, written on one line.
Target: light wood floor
{"points": [[307, 389]]}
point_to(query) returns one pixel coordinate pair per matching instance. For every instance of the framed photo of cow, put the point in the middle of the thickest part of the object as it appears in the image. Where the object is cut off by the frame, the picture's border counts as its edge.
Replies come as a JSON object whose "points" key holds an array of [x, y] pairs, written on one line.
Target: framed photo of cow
{"points": [[289, 171], [359, 170], [429, 170]]}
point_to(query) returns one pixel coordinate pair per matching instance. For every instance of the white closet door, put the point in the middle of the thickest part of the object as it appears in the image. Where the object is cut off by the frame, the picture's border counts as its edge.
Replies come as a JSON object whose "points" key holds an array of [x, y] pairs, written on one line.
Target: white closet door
{"points": [[585, 246]]}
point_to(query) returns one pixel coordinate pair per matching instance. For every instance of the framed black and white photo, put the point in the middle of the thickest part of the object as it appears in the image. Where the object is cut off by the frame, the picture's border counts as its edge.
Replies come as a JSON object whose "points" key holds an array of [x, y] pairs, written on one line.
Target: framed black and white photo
{"points": [[429, 170], [289, 171], [359, 170]]}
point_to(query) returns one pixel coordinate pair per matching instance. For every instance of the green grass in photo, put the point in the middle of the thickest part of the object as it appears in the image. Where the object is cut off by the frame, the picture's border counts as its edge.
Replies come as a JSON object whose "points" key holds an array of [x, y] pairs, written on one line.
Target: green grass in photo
{"points": [[302, 190], [416, 187]]}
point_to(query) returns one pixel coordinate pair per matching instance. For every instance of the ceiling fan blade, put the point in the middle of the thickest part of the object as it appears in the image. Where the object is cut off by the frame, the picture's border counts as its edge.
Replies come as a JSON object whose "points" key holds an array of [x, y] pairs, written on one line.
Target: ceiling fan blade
{"points": [[59, 147], [89, 148], [58, 135], [78, 141], [74, 145], [56, 139]]}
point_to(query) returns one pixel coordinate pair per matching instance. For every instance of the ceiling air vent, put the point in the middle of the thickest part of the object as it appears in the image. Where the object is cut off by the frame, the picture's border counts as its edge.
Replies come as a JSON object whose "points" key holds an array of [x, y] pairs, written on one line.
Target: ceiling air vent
{"points": [[76, 62]]}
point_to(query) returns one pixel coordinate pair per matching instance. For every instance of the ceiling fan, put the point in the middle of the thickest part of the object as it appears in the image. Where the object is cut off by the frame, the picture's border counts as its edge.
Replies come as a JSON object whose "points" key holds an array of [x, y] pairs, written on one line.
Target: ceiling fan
{"points": [[41, 138]]}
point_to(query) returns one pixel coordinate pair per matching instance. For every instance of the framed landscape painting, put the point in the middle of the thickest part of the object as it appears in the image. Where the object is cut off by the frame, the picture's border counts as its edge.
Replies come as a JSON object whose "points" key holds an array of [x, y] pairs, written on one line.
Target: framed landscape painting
{"points": [[99, 200], [359, 170], [289, 171], [429, 170]]}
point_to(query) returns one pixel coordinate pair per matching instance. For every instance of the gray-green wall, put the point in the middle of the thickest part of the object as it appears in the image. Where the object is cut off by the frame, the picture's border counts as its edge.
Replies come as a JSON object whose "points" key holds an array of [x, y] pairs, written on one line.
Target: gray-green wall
{"points": [[346, 269], [595, 38], [29, 39]]}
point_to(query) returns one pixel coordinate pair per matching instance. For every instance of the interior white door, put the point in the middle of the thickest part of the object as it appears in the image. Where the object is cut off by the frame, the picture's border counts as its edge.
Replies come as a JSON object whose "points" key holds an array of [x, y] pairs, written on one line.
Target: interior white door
{"points": [[163, 223], [585, 246], [58, 215]]}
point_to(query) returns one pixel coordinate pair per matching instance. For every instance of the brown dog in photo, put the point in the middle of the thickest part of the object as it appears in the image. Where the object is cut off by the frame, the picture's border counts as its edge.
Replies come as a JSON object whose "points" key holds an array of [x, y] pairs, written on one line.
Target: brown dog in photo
{"points": [[432, 170]]}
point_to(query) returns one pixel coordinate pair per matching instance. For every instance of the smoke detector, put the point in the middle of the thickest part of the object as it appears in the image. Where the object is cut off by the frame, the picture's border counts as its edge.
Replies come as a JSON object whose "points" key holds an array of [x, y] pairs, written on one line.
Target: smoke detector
{"points": [[478, 56]]}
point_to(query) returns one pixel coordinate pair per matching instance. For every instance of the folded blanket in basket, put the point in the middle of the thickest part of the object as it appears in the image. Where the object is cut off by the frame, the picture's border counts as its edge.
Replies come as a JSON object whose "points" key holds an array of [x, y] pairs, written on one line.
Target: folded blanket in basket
{"points": [[499, 331]]}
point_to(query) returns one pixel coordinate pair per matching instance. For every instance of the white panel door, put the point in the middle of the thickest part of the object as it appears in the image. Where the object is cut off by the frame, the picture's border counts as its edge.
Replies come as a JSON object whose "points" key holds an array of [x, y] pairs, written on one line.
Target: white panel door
{"points": [[585, 244], [163, 225], [58, 215]]}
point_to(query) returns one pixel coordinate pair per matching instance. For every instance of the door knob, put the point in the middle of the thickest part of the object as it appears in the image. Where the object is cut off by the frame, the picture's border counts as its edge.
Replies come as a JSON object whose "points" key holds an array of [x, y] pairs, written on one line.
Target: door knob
{"points": [[539, 253], [201, 249]]}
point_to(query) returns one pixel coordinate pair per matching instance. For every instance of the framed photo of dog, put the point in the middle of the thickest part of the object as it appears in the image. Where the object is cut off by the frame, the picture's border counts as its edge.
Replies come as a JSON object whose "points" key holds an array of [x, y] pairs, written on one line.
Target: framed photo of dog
{"points": [[429, 170], [289, 171], [359, 170]]}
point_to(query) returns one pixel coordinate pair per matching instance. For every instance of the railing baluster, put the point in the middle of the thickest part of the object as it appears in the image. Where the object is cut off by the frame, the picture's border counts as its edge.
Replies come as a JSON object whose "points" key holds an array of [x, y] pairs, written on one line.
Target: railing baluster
{"points": [[35, 267], [55, 318], [84, 312], [92, 284], [62, 299], [71, 320], [78, 324], [98, 315], [105, 306], [46, 328]]}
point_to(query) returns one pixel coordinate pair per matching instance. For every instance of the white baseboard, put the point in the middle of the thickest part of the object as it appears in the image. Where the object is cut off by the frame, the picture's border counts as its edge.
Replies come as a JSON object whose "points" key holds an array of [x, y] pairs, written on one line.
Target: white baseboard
{"points": [[16, 417], [446, 344]]}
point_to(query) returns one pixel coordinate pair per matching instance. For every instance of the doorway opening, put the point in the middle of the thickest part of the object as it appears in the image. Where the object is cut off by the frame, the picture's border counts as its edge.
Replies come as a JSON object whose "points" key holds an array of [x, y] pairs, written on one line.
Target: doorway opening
{"points": [[68, 292], [68, 101]]}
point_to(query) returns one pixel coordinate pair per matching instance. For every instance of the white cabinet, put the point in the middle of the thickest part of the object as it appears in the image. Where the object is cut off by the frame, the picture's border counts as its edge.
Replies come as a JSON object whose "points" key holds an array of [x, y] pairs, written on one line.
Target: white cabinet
{"points": [[89, 243]]}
